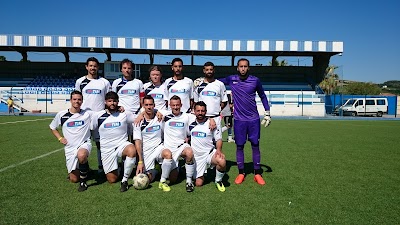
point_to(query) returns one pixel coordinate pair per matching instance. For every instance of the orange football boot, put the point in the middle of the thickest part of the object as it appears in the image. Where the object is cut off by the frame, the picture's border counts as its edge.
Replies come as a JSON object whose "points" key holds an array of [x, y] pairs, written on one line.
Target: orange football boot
{"points": [[239, 179], [259, 179]]}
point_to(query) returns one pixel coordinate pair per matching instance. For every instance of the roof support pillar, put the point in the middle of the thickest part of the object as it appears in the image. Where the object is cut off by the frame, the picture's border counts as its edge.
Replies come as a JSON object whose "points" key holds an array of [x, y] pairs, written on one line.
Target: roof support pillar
{"points": [[24, 55], [66, 55]]}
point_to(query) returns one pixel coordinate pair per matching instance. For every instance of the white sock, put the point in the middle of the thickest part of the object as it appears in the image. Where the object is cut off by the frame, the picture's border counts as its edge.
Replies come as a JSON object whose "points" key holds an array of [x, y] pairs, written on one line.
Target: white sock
{"points": [[224, 128], [128, 167], [189, 172], [165, 169], [218, 176]]}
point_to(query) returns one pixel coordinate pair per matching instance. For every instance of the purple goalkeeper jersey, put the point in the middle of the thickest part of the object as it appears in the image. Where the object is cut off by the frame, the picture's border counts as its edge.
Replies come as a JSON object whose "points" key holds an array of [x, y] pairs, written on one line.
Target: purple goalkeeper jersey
{"points": [[244, 96]]}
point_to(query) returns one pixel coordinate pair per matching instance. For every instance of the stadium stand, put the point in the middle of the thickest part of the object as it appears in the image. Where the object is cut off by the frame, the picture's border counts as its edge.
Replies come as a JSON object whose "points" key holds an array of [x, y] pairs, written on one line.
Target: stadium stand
{"points": [[46, 85]]}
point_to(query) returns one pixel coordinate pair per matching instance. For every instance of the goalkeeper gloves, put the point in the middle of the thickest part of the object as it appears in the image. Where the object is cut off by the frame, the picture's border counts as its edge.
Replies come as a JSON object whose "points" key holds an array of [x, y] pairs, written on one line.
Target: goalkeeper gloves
{"points": [[267, 119], [198, 81]]}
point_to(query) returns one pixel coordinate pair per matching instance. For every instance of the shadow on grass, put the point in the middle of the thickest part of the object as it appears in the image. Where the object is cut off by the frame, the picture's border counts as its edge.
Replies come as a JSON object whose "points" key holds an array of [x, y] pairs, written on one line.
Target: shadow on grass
{"points": [[248, 167], [99, 178], [209, 177]]}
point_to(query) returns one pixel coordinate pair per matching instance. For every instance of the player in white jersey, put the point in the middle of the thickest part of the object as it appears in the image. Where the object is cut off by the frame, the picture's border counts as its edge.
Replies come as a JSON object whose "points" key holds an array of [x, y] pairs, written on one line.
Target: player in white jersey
{"points": [[75, 123], [205, 153], [155, 88], [148, 137], [176, 131], [212, 92], [130, 91], [114, 143], [94, 89], [180, 86], [226, 114]]}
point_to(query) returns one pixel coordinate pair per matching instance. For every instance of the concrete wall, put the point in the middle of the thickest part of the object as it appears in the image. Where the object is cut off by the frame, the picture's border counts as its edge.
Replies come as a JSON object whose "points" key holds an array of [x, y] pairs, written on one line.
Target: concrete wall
{"points": [[398, 106], [284, 103]]}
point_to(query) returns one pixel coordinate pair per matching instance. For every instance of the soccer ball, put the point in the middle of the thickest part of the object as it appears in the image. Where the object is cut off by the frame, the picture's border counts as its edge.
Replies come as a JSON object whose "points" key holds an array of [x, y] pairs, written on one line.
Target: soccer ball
{"points": [[141, 181]]}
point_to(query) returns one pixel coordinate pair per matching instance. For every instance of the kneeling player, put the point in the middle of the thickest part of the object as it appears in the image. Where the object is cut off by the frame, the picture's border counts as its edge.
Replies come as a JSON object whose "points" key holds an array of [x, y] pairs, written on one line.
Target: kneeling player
{"points": [[148, 137], [176, 130], [205, 153], [75, 125], [114, 143]]}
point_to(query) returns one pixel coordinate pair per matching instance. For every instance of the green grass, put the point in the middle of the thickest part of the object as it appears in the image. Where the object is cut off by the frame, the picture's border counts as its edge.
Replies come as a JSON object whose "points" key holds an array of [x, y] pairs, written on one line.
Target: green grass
{"points": [[319, 172]]}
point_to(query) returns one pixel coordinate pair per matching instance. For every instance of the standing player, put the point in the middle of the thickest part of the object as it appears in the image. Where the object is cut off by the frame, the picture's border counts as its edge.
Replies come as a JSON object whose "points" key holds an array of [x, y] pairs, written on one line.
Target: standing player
{"points": [[180, 86], [148, 137], [129, 90], [75, 124], [205, 153], [246, 118], [10, 104], [155, 88], [176, 131], [226, 114], [212, 92], [94, 89], [114, 144]]}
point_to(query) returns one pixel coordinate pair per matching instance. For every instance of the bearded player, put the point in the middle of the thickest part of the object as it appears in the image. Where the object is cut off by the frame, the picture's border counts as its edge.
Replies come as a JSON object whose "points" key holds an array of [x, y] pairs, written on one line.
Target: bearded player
{"points": [[205, 153], [246, 117]]}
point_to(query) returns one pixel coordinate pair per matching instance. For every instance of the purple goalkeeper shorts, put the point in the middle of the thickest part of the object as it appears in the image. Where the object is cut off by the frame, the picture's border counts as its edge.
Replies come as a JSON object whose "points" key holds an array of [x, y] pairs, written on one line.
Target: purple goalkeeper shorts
{"points": [[246, 130]]}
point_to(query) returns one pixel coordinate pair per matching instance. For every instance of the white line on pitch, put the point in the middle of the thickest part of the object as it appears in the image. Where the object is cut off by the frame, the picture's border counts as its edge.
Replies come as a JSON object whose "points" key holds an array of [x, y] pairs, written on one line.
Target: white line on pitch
{"points": [[29, 160], [23, 121]]}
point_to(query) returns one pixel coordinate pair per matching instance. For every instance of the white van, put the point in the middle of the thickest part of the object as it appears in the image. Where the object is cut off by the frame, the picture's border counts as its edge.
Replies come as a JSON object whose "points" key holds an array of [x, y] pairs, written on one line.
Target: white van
{"points": [[364, 107]]}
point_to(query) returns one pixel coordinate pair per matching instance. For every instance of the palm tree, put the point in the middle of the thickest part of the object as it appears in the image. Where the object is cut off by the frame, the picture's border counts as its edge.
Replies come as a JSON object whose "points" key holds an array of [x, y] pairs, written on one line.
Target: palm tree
{"points": [[278, 63], [329, 83]]}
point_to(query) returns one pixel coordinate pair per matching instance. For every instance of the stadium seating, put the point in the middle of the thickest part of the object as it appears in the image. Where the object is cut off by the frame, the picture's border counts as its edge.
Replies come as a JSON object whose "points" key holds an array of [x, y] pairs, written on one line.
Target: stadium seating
{"points": [[14, 82], [51, 81]]}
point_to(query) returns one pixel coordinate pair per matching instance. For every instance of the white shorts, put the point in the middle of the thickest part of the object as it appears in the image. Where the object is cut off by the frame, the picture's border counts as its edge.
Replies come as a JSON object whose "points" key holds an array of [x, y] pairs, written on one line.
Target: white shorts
{"points": [[71, 155], [150, 157], [203, 163], [176, 153], [109, 157]]}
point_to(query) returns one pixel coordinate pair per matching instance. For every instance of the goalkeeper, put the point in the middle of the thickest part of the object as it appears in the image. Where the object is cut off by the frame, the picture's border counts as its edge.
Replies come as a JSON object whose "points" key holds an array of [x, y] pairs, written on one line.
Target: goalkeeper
{"points": [[246, 118]]}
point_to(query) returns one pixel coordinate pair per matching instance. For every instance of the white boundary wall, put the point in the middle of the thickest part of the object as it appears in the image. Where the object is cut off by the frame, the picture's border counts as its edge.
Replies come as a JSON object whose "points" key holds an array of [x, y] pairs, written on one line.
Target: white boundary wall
{"points": [[283, 103]]}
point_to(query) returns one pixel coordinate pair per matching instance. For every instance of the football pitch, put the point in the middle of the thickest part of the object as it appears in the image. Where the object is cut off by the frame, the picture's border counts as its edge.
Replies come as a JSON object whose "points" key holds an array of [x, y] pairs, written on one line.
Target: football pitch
{"points": [[317, 172]]}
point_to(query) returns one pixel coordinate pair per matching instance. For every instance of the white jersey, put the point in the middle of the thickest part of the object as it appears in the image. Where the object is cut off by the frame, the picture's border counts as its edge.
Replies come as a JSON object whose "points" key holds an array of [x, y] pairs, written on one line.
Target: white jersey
{"points": [[150, 133], [129, 93], [93, 91], [157, 92], [212, 94], [112, 128], [182, 88], [75, 127], [176, 129], [202, 137]]}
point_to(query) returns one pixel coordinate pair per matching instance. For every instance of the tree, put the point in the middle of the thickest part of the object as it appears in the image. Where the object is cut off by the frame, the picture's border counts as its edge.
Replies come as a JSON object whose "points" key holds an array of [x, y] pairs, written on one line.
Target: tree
{"points": [[361, 88], [391, 86], [278, 63], [329, 83], [2, 58]]}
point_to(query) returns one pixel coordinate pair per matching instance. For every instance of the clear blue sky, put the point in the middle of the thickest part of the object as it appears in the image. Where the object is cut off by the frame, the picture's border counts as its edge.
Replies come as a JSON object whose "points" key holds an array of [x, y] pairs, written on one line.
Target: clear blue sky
{"points": [[370, 30]]}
